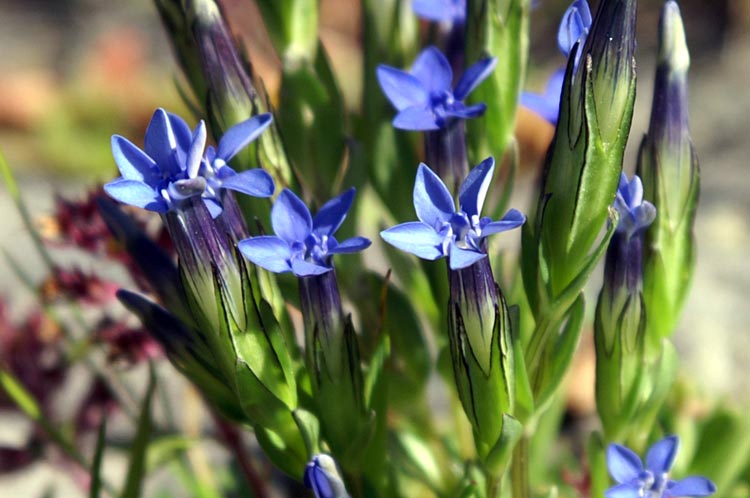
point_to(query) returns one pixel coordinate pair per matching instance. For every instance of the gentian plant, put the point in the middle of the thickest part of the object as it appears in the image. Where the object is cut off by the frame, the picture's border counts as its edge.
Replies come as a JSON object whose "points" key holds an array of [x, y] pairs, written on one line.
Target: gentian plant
{"points": [[359, 370]]}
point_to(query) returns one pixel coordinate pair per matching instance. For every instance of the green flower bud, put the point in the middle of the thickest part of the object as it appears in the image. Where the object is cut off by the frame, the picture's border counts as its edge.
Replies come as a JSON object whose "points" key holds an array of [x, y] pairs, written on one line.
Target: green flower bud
{"points": [[669, 168]]}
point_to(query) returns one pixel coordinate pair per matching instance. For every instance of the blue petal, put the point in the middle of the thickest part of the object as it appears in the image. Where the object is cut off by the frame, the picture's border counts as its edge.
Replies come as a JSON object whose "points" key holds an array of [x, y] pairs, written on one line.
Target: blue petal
{"points": [[416, 238], [316, 479], [418, 118], [433, 70], [355, 244], [466, 112], [214, 206], [180, 130], [401, 88], [432, 200], [303, 268], [623, 491], [574, 26], [240, 135], [691, 486], [473, 190], [330, 217], [254, 182], [542, 105], [462, 258], [661, 455], [290, 218], [512, 219], [268, 252], [195, 152], [133, 163], [136, 194], [635, 191], [440, 10], [473, 76], [160, 141], [623, 464]]}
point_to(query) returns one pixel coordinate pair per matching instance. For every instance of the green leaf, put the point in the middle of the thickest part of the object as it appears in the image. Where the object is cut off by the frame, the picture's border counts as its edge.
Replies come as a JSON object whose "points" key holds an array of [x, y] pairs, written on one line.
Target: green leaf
{"points": [[499, 456], [96, 465], [137, 463], [18, 393]]}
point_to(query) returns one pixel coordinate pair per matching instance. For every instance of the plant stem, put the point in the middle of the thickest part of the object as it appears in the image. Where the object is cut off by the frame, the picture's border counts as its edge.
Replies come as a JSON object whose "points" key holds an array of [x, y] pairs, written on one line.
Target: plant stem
{"points": [[520, 469]]}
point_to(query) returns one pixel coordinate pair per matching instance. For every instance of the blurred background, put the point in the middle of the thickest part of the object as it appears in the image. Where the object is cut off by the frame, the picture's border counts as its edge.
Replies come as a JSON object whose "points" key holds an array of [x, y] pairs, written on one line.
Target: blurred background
{"points": [[73, 72]]}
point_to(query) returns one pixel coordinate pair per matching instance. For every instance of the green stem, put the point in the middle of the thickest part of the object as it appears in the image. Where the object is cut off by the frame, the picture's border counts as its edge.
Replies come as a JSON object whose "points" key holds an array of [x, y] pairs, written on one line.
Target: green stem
{"points": [[519, 470]]}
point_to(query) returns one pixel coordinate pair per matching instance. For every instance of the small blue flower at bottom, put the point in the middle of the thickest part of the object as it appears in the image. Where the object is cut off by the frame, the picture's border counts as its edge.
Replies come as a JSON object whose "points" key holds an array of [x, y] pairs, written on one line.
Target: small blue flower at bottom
{"points": [[444, 231], [303, 245], [635, 481], [322, 476], [424, 98], [635, 213]]}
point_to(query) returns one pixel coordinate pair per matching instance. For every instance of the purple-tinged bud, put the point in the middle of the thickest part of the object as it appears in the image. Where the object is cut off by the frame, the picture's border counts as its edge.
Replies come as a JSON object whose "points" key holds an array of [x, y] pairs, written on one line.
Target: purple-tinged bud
{"points": [[668, 165], [324, 323], [445, 150], [323, 477]]}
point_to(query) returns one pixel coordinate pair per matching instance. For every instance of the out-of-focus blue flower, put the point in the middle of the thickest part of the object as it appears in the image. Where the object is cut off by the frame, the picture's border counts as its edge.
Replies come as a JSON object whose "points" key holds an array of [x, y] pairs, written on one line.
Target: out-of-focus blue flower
{"points": [[444, 231], [171, 167], [574, 27], [635, 213], [424, 97], [440, 10], [303, 244], [635, 481], [322, 476]]}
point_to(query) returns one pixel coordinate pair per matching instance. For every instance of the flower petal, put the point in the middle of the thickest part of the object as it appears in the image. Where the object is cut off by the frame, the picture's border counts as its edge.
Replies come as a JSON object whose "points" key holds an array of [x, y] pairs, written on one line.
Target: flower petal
{"points": [[303, 268], [417, 118], [133, 163], [623, 491], [416, 238], [254, 182], [512, 219], [466, 112], [355, 244], [330, 217], [268, 252], [433, 70], [473, 76], [474, 189], [160, 142], [691, 486], [136, 194], [401, 88], [432, 200], [623, 464], [461, 258], [542, 105], [574, 26], [661, 455], [240, 135], [440, 10], [195, 152], [290, 218]]}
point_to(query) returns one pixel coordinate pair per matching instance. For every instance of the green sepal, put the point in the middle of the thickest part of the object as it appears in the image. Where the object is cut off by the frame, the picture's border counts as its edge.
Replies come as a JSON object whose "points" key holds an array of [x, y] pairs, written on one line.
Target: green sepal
{"points": [[286, 450], [524, 396], [497, 459], [309, 428]]}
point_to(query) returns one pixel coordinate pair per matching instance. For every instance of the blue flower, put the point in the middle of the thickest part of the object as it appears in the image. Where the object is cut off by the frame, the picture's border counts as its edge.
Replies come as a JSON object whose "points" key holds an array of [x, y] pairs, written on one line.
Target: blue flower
{"points": [[442, 230], [322, 476], [303, 244], [424, 97], [635, 213], [440, 10], [574, 28], [171, 167], [635, 481]]}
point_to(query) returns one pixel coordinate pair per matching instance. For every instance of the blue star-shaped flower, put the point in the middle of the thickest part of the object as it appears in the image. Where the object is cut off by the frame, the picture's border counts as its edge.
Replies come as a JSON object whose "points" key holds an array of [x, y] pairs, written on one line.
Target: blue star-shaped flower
{"points": [[171, 167], [440, 10], [442, 230], [635, 481], [303, 244], [424, 97], [635, 213], [574, 28]]}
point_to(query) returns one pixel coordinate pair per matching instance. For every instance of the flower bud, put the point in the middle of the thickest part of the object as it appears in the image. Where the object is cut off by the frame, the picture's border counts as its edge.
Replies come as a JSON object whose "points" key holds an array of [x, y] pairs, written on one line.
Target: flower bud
{"points": [[669, 168], [480, 344], [323, 477]]}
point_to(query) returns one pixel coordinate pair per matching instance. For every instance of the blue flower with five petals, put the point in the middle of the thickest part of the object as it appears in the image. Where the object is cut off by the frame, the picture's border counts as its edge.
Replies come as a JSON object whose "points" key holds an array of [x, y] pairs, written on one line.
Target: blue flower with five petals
{"points": [[303, 244], [444, 231], [635, 481], [172, 166], [424, 97], [440, 10], [574, 28]]}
